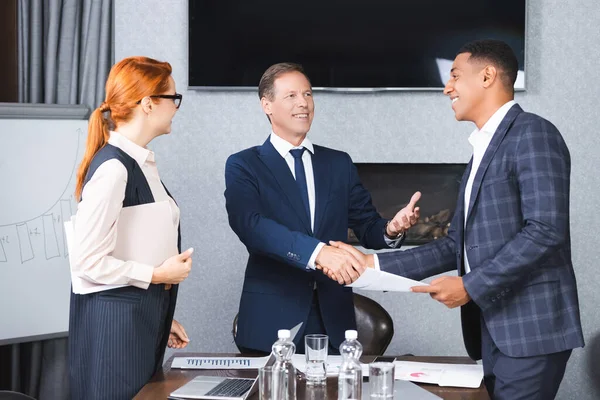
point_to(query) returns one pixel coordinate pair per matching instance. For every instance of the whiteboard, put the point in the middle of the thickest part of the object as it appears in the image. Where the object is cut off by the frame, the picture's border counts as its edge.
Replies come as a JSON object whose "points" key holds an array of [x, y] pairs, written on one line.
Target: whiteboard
{"points": [[38, 167]]}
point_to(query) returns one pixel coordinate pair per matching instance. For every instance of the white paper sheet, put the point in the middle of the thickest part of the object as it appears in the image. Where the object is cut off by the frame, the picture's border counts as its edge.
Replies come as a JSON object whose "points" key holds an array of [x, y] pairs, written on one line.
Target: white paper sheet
{"points": [[146, 234], [219, 362], [373, 279], [457, 375]]}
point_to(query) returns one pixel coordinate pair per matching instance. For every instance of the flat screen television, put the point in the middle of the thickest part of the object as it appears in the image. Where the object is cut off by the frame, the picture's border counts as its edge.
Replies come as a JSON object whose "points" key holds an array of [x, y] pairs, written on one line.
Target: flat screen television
{"points": [[360, 45]]}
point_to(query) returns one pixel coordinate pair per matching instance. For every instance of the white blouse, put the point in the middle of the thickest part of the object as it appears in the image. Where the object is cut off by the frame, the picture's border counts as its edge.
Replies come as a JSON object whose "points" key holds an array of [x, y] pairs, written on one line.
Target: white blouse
{"points": [[98, 215]]}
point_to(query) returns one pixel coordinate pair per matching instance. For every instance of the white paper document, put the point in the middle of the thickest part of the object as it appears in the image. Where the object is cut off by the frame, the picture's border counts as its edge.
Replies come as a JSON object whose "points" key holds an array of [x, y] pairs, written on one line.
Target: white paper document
{"points": [[458, 375], [373, 279], [145, 234], [219, 362]]}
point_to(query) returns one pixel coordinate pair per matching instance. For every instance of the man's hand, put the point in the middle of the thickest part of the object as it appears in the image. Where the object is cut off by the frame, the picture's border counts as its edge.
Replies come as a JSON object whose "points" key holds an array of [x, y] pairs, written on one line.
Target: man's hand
{"points": [[449, 290], [178, 339], [341, 265], [364, 259], [405, 218]]}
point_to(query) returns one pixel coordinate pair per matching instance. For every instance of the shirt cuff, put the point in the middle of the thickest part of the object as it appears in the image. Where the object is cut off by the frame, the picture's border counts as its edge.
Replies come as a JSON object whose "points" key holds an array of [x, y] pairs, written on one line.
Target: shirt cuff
{"points": [[393, 243], [313, 257], [376, 266], [141, 275]]}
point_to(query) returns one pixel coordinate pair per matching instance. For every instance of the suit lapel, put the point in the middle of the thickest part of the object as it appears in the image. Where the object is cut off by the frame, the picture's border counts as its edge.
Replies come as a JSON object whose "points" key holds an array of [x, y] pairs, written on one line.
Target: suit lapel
{"points": [[460, 207], [281, 171], [489, 153], [322, 175], [459, 213]]}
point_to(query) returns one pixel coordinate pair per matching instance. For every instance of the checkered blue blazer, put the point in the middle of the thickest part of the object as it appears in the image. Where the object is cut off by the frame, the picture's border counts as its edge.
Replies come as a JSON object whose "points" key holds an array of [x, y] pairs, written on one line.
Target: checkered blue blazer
{"points": [[517, 240]]}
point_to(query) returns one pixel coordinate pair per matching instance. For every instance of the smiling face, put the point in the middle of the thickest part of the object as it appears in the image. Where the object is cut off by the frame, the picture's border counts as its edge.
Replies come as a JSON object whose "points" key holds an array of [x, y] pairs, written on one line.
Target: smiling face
{"points": [[291, 109], [466, 88]]}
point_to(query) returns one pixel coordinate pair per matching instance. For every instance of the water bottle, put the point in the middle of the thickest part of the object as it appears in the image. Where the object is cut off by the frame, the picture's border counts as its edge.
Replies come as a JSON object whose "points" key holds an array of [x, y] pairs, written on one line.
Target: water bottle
{"points": [[350, 377], [284, 372]]}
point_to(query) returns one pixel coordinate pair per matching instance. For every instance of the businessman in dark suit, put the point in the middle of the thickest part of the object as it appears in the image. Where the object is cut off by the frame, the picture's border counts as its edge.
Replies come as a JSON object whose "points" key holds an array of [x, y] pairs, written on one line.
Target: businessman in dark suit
{"points": [[509, 239], [285, 200]]}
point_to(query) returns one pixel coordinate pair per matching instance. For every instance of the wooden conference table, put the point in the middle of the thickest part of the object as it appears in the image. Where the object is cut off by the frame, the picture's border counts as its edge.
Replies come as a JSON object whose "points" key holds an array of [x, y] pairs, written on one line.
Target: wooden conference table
{"points": [[168, 380]]}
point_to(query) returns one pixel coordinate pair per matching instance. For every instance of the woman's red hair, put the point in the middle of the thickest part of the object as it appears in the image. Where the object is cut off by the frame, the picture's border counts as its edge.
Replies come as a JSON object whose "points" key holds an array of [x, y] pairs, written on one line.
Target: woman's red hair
{"points": [[129, 80]]}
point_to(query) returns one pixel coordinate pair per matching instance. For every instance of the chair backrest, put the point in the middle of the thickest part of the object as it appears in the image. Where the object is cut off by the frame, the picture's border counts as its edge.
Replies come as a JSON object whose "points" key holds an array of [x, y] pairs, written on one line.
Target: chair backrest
{"points": [[10, 395], [374, 325]]}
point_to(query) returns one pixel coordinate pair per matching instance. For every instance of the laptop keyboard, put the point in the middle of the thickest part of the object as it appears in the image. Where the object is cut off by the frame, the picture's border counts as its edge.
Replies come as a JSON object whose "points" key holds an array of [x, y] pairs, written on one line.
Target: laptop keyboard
{"points": [[231, 388]]}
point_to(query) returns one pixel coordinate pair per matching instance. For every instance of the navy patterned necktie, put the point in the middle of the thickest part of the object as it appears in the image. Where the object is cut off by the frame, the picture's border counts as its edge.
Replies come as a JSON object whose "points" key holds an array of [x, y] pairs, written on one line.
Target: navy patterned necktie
{"points": [[301, 177]]}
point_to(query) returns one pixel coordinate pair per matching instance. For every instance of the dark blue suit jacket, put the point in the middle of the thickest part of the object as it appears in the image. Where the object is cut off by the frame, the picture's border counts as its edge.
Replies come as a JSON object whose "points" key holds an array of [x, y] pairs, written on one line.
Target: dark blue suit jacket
{"points": [[518, 244], [266, 212]]}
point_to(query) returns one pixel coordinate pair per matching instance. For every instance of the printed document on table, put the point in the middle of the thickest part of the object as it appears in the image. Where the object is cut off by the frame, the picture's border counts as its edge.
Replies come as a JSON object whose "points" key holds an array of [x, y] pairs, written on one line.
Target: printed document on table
{"points": [[458, 375], [373, 279], [219, 362]]}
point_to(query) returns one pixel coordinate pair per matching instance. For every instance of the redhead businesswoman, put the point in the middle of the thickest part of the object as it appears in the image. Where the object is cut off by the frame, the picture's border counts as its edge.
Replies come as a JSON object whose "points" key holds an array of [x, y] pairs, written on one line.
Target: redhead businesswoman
{"points": [[117, 337]]}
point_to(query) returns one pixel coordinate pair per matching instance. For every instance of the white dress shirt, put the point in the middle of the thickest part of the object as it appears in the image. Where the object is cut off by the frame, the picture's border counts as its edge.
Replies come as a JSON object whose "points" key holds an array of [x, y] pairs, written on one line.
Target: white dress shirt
{"points": [[480, 140], [283, 147], [98, 215]]}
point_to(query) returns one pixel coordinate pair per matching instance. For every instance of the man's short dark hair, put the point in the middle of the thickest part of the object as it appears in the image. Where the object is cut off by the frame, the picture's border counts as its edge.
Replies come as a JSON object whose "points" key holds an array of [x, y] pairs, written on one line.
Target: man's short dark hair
{"points": [[266, 86], [497, 53]]}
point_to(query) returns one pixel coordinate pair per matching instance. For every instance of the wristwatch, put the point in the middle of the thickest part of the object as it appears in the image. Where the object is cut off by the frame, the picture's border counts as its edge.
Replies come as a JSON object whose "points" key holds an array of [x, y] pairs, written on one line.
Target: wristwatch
{"points": [[398, 236]]}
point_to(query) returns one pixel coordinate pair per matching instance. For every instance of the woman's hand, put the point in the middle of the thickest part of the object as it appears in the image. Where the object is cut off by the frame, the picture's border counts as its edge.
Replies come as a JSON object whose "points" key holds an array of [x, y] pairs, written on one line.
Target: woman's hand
{"points": [[178, 339], [175, 269]]}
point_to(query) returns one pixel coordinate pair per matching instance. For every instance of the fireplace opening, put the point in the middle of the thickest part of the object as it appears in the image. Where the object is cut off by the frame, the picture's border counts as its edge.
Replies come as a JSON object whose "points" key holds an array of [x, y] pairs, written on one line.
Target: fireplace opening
{"points": [[392, 185]]}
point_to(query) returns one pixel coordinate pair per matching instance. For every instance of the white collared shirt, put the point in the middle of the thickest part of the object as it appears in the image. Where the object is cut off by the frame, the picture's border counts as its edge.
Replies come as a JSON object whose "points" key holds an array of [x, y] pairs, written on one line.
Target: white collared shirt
{"points": [[480, 140], [283, 147], [98, 215]]}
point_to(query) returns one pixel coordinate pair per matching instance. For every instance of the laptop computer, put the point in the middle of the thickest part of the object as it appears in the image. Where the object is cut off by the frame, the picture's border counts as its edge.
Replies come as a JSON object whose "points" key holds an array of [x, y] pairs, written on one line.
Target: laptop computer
{"points": [[404, 390], [216, 388]]}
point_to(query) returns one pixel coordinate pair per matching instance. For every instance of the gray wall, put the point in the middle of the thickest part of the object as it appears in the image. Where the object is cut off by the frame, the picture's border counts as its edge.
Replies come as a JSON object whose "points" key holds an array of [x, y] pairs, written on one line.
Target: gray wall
{"points": [[562, 85]]}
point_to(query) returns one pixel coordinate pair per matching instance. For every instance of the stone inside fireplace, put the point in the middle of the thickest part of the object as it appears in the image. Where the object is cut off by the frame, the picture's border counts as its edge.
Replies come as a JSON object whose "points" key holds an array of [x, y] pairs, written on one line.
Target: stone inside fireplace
{"points": [[392, 185]]}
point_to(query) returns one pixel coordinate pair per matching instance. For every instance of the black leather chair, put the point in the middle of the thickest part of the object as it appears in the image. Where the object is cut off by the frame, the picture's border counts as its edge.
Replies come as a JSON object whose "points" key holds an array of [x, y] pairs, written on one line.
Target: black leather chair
{"points": [[10, 395], [373, 323]]}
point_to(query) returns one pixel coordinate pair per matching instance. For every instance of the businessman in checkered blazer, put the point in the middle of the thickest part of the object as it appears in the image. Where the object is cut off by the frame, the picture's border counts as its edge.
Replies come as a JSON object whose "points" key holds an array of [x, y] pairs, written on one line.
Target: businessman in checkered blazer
{"points": [[509, 239]]}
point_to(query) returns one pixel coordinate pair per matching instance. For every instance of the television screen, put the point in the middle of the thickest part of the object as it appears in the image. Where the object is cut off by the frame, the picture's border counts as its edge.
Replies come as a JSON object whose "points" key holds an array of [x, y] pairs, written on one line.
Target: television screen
{"points": [[345, 44]]}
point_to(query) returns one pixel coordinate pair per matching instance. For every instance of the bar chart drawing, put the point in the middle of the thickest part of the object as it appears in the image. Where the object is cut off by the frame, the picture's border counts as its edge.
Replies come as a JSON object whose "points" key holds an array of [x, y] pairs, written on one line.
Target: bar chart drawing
{"points": [[38, 203], [25, 243], [50, 239], [39, 158]]}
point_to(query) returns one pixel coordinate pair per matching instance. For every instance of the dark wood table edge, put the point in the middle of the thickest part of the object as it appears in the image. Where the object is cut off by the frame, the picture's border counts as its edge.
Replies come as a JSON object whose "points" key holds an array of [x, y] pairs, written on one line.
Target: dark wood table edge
{"points": [[166, 374]]}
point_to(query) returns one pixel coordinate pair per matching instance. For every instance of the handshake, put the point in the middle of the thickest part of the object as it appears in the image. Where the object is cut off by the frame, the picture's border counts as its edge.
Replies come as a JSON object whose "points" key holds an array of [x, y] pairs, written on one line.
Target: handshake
{"points": [[345, 264]]}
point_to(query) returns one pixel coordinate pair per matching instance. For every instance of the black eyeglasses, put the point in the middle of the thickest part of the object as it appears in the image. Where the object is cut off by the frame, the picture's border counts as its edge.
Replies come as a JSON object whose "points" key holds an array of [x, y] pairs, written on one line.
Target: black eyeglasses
{"points": [[175, 97]]}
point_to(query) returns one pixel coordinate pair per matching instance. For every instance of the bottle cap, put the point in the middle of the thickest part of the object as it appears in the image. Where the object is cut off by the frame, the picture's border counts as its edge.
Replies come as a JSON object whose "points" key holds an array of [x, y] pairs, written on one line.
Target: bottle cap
{"points": [[351, 334], [283, 334]]}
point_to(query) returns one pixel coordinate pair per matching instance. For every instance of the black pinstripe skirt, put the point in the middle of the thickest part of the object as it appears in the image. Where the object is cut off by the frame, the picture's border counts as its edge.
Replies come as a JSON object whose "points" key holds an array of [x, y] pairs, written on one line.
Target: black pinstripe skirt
{"points": [[117, 340]]}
